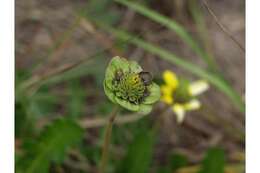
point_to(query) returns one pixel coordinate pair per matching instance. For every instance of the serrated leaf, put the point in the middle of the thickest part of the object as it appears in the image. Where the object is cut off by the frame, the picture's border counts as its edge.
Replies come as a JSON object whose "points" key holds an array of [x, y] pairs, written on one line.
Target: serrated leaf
{"points": [[214, 162], [52, 146]]}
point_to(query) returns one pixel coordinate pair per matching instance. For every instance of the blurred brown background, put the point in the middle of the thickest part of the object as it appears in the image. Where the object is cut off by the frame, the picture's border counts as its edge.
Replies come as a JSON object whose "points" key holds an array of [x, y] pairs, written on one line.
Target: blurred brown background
{"points": [[49, 28]]}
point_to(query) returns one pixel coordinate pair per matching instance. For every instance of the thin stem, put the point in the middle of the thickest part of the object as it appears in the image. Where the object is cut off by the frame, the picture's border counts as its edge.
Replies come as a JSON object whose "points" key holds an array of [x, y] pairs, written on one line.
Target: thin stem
{"points": [[108, 133], [222, 27]]}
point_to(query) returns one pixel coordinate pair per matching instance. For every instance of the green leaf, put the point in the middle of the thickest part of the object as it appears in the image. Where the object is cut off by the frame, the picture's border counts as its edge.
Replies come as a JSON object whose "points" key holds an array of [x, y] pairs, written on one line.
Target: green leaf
{"points": [[23, 124], [174, 162], [109, 93], [145, 109], [127, 104], [155, 94], [177, 161], [51, 146], [214, 162], [115, 64], [139, 154], [21, 75]]}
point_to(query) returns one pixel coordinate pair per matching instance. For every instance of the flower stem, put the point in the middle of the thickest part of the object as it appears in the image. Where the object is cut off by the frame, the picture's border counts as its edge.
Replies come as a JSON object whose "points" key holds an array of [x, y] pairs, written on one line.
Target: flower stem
{"points": [[108, 132]]}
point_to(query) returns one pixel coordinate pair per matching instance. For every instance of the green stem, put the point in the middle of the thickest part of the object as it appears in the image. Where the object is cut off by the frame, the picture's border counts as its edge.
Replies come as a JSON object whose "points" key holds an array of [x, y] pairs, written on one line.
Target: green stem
{"points": [[108, 133]]}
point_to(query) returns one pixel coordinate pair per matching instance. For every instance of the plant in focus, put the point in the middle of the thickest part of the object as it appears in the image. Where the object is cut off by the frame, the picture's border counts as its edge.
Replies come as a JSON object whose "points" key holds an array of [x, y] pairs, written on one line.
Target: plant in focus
{"points": [[127, 85], [181, 94]]}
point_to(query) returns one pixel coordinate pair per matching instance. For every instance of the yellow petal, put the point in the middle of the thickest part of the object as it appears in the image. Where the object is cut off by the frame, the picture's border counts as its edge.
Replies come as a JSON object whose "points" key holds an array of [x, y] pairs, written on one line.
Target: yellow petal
{"points": [[166, 90], [192, 105], [198, 87], [167, 99], [179, 111], [170, 79]]}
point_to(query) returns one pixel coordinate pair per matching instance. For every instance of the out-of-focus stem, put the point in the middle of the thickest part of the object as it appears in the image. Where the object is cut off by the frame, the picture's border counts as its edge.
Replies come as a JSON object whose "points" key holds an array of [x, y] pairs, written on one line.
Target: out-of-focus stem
{"points": [[108, 133]]}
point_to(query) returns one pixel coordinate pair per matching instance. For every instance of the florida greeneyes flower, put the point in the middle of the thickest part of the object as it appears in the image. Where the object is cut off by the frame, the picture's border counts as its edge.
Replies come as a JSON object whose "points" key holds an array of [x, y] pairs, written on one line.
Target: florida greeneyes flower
{"points": [[129, 86], [180, 94]]}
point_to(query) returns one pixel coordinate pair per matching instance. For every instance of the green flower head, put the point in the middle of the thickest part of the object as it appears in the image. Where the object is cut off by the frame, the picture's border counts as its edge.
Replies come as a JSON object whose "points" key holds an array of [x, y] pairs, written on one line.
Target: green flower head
{"points": [[127, 85]]}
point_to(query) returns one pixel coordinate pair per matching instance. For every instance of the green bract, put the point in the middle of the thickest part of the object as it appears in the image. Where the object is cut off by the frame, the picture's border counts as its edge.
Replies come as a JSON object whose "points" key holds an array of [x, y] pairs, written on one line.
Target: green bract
{"points": [[127, 85]]}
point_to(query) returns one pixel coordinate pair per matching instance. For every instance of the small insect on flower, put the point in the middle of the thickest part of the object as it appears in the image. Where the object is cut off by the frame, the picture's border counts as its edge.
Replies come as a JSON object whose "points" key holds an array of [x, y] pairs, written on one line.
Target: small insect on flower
{"points": [[146, 77], [128, 85], [181, 94]]}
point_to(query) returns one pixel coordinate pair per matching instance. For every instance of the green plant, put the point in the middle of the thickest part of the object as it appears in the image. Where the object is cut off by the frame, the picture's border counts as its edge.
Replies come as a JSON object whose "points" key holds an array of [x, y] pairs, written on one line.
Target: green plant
{"points": [[127, 85], [51, 146], [139, 154], [214, 161], [74, 88]]}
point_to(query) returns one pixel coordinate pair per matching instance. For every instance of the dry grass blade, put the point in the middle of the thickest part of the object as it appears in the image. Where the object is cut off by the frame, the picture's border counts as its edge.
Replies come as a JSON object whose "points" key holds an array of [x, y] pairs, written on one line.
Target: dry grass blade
{"points": [[99, 122], [222, 27]]}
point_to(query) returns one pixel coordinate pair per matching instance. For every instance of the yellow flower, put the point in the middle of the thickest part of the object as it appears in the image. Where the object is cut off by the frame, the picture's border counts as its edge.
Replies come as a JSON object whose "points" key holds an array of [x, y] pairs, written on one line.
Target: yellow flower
{"points": [[167, 92], [181, 95], [168, 89], [170, 79], [167, 99]]}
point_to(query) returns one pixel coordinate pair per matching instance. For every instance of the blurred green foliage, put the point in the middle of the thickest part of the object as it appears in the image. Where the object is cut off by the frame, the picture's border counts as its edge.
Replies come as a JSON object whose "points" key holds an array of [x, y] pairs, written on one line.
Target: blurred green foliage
{"points": [[49, 147], [214, 161], [76, 100], [139, 154]]}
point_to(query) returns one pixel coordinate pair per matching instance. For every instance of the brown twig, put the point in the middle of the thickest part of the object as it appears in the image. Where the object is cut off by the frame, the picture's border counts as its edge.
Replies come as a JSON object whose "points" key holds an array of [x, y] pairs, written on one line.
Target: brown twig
{"points": [[37, 79], [222, 27], [99, 122]]}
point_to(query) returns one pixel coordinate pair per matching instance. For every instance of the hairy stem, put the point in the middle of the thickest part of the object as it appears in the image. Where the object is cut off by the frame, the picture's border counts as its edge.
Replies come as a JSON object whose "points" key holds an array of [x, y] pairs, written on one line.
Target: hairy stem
{"points": [[108, 133]]}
